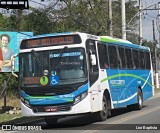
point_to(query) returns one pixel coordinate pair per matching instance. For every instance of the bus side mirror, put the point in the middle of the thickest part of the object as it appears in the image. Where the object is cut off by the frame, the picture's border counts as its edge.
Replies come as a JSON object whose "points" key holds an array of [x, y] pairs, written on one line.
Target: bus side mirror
{"points": [[13, 65], [93, 59]]}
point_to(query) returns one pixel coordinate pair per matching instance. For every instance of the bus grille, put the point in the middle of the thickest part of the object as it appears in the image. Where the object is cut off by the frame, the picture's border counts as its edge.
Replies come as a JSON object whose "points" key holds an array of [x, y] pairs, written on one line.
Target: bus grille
{"points": [[37, 109], [48, 91]]}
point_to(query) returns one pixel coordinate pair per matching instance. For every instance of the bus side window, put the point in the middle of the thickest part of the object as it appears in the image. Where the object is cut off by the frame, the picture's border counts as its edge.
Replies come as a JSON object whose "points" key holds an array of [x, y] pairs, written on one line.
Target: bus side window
{"points": [[113, 58], [148, 62], [122, 57], [129, 62], [142, 61], [103, 56], [135, 59]]}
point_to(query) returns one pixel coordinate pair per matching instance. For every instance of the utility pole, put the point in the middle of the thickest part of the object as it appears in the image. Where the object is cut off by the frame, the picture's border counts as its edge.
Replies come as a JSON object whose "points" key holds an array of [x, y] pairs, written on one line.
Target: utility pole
{"points": [[123, 12], [140, 23], [155, 55], [110, 18], [159, 22], [20, 19]]}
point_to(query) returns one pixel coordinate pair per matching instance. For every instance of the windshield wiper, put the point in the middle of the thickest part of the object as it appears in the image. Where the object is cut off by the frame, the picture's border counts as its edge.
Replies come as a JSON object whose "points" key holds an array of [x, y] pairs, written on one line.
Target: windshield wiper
{"points": [[60, 55], [33, 52]]}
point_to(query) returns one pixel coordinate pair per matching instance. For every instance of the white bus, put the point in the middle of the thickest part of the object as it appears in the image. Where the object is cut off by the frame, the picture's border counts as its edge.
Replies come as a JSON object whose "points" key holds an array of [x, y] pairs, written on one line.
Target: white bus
{"points": [[73, 73]]}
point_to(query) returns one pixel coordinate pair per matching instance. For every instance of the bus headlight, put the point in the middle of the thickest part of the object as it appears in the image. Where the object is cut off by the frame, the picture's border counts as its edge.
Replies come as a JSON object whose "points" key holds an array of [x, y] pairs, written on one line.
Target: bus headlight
{"points": [[77, 100], [84, 95], [22, 99], [26, 103], [80, 97]]}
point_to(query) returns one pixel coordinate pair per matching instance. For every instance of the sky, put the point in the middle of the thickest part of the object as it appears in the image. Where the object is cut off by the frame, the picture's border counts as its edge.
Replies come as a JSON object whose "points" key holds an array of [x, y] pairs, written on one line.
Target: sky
{"points": [[147, 17]]}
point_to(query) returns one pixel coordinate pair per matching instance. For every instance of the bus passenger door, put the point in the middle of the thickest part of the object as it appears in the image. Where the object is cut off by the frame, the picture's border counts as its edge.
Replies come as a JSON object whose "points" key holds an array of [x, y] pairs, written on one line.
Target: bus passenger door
{"points": [[93, 75]]}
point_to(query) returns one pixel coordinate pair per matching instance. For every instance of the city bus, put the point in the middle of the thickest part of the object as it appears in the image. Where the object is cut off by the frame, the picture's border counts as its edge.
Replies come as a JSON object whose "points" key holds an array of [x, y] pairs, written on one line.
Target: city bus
{"points": [[14, 4], [72, 73]]}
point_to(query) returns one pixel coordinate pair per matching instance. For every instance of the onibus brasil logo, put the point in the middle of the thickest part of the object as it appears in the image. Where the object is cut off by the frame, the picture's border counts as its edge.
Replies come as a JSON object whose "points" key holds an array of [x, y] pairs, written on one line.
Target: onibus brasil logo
{"points": [[14, 4]]}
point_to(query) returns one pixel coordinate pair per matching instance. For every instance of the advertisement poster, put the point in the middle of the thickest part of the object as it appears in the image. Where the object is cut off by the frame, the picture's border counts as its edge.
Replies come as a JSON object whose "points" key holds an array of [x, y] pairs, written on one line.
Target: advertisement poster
{"points": [[9, 46]]}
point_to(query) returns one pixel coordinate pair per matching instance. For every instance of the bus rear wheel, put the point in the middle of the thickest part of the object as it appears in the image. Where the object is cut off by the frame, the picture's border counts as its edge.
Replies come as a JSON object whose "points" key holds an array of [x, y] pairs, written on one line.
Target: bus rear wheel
{"points": [[103, 115], [50, 120], [139, 105]]}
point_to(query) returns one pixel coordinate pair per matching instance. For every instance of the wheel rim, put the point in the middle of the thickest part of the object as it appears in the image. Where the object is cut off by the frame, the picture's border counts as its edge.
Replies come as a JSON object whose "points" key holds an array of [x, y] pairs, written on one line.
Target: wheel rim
{"points": [[140, 100], [104, 107]]}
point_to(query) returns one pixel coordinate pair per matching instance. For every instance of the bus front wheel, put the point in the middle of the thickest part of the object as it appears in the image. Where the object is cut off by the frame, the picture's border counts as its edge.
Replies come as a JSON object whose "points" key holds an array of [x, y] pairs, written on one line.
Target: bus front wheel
{"points": [[105, 112], [50, 120]]}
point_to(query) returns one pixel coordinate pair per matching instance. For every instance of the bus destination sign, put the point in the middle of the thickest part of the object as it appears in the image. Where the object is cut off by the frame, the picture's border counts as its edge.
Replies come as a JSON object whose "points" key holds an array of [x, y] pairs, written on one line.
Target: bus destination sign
{"points": [[50, 41]]}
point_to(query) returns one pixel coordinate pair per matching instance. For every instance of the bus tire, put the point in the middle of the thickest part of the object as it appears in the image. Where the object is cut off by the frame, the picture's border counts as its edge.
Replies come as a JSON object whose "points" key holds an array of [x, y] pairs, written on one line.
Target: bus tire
{"points": [[103, 115], [139, 104], [50, 120], [7, 8], [22, 8]]}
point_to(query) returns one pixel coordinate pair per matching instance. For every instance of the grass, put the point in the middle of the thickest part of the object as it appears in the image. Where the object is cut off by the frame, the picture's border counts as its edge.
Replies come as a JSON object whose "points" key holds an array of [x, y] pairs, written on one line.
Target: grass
{"points": [[11, 102], [7, 117], [157, 90], [14, 118]]}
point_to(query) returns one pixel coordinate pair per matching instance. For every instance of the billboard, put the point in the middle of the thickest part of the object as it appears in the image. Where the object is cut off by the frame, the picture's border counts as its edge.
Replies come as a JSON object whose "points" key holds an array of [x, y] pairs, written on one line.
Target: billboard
{"points": [[9, 46]]}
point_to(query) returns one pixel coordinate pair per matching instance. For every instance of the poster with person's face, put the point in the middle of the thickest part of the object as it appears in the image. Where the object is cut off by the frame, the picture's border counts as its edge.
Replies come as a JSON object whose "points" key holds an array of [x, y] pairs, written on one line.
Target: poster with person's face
{"points": [[9, 46]]}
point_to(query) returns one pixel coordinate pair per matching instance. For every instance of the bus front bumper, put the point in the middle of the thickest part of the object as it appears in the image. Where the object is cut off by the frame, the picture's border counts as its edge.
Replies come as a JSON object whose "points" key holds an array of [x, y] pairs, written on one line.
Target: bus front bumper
{"points": [[81, 107]]}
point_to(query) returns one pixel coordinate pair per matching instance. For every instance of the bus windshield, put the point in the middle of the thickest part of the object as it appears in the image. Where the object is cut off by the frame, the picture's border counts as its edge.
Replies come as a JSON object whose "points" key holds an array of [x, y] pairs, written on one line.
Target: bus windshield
{"points": [[57, 68]]}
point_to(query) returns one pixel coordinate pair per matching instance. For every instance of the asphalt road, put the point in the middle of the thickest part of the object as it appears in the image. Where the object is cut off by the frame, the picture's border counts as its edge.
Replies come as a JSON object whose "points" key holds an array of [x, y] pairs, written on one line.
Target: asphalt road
{"points": [[122, 120]]}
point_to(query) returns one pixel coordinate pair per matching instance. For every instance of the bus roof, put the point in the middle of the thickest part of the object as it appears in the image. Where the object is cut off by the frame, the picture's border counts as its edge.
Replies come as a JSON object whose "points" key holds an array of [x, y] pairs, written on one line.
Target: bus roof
{"points": [[105, 39], [121, 42]]}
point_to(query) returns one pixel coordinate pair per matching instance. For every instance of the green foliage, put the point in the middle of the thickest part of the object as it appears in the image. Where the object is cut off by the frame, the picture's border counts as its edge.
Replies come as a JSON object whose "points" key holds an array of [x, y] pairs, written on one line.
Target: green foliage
{"points": [[37, 22], [11, 81]]}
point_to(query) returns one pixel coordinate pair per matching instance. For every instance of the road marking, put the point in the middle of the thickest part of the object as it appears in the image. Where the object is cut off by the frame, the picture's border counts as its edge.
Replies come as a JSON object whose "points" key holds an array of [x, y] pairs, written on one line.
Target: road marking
{"points": [[96, 129]]}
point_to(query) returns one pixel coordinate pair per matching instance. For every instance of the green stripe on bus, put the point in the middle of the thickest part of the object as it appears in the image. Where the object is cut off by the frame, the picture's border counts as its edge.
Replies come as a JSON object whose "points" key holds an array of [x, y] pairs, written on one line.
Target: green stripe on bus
{"points": [[123, 75], [103, 39], [53, 98]]}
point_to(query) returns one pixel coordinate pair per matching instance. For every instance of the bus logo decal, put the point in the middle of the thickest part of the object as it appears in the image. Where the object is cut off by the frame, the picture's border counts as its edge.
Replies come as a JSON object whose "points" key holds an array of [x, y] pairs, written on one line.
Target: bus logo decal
{"points": [[14, 4], [117, 82], [44, 80]]}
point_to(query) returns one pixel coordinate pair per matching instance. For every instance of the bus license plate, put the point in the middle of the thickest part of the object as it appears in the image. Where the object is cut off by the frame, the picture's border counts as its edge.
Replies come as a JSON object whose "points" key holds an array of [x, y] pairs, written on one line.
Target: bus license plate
{"points": [[51, 109]]}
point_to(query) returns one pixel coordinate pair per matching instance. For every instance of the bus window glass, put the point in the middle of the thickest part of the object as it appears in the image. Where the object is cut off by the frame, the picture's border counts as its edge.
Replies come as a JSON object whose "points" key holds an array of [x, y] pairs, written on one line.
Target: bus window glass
{"points": [[129, 58], [3, 2], [135, 59], [148, 62], [113, 56], [122, 57], [9, 2], [142, 61], [21, 2], [15, 2], [103, 58]]}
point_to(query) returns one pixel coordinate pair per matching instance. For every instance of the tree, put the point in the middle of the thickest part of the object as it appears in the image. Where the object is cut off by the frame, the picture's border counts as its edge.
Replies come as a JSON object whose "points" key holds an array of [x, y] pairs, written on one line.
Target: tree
{"points": [[37, 22]]}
